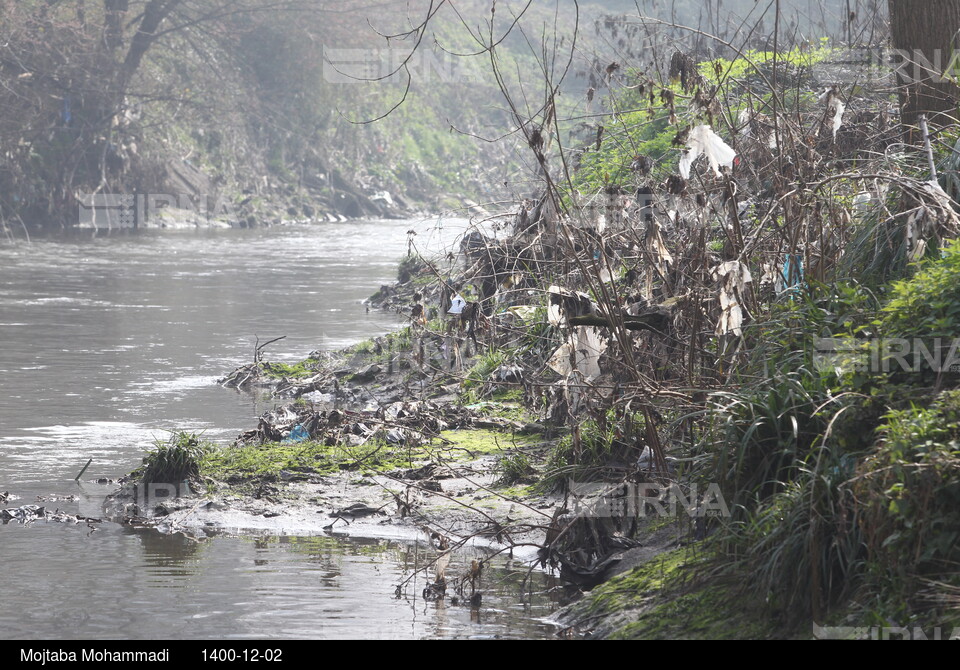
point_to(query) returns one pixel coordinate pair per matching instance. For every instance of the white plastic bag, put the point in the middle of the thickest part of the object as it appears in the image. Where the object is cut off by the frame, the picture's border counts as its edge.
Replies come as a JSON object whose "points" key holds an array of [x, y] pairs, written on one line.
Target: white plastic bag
{"points": [[702, 140], [457, 304]]}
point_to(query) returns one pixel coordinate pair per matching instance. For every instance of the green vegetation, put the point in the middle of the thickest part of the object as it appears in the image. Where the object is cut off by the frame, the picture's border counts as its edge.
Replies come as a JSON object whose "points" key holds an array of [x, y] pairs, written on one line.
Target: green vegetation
{"points": [[278, 461], [928, 304], [179, 459], [844, 483], [301, 369], [666, 598], [835, 455], [485, 366], [754, 61], [270, 461], [473, 443], [515, 468], [595, 450]]}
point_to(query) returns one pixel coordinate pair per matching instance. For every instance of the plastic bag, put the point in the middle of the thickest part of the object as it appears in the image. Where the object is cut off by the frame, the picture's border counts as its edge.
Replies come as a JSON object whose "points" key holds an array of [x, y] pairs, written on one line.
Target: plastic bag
{"points": [[703, 141], [457, 304]]}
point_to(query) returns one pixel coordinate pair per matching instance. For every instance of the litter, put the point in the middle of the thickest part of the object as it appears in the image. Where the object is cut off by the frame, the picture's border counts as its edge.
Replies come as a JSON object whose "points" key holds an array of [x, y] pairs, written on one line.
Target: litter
{"points": [[457, 303], [703, 141]]}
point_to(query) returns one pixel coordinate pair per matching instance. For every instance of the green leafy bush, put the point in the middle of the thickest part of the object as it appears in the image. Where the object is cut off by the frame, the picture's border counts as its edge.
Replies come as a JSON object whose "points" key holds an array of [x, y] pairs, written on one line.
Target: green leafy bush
{"points": [[597, 449], [514, 468], [910, 494], [928, 304]]}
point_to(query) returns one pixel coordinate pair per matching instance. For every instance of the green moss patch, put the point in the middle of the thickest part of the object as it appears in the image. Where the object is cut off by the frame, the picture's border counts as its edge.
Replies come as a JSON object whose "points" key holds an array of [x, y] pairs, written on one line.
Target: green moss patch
{"points": [[663, 600], [482, 441], [299, 370], [275, 461], [666, 598], [278, 461]]}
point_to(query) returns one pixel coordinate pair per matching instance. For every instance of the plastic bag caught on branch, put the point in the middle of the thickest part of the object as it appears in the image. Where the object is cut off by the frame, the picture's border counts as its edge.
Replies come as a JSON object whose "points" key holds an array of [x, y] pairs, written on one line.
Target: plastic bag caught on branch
{"points": [[733, 277], [580, 353], [833, 119], [703, 141]]}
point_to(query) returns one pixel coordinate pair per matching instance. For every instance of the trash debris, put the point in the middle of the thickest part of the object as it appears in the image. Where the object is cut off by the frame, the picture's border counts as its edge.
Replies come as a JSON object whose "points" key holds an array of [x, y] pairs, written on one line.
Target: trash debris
{"points": [[733, 277], [457, 303], [833, 117], [564, 304], [933, 218], [297, 434], [30, 513], [792, 272], [357, 509], [581, 352], [703, 141]]}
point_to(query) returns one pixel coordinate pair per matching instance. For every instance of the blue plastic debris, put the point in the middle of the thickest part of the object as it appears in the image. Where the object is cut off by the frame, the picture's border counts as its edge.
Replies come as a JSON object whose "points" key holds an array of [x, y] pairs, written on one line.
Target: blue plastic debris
{"points": [[297, 434]]}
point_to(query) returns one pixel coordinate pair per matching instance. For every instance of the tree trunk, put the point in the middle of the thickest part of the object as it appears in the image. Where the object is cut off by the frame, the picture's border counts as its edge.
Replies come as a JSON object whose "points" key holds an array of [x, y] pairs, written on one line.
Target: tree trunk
{"points": [[154, 14], [924, 38]]}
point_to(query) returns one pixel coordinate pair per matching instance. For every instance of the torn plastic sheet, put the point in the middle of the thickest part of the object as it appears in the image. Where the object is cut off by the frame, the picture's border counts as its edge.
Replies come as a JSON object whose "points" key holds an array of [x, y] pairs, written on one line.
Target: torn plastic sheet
{"points": [[524, 312], [297, 434], [733, 277], [792, 271], [835, 109], [758, 126], [586, 345], [933, 218], [703, 141]]}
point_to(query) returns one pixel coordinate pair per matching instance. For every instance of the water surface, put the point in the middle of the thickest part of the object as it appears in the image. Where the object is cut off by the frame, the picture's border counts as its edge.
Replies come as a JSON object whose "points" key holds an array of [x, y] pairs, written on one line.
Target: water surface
{"points": [[106, 345]]}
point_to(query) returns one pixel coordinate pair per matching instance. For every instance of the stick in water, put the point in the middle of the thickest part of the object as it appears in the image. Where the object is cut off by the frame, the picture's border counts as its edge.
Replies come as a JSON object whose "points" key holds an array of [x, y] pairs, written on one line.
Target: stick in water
{"points": [[77, 478]]}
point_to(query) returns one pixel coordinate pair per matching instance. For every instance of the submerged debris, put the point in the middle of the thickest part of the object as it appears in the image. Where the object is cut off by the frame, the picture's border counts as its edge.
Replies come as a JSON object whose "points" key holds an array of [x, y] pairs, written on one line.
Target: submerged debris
{"points": [[30, 513]]}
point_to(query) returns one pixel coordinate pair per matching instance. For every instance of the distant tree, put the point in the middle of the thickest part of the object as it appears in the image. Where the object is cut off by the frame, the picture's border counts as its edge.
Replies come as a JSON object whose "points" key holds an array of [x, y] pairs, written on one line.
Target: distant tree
{"points": [[924, 32], [72, 77]]}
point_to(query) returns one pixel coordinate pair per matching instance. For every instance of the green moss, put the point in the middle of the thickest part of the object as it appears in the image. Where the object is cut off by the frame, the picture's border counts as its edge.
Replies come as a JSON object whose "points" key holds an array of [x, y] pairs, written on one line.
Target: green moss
{"points": [[664, 599], [277, 461], [633, 590], [521, 492], [272, 460], [481, 441], [514, 395], [299, 370], [364, 347], [707, 613], [496, 408]]}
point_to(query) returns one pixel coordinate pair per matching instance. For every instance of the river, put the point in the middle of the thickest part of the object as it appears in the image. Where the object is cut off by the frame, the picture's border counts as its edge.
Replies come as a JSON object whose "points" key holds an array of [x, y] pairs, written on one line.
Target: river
{"points": [[108, 343]]}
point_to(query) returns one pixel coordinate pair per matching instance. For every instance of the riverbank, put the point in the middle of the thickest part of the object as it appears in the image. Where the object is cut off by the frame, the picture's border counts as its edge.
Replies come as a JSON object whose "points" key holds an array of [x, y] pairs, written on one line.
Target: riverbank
{"points": [[362, 449], [418, 434], [168, 313]]}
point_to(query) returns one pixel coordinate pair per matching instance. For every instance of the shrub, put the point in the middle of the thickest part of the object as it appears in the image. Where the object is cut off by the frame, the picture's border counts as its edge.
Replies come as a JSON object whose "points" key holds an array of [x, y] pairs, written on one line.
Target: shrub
{"points": [[910, 494], [174, 461]]}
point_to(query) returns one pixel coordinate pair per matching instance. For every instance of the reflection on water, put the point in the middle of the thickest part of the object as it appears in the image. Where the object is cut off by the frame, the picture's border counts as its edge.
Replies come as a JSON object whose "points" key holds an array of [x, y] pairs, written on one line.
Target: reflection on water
{"points": [[108, 344], [121, 582]]}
